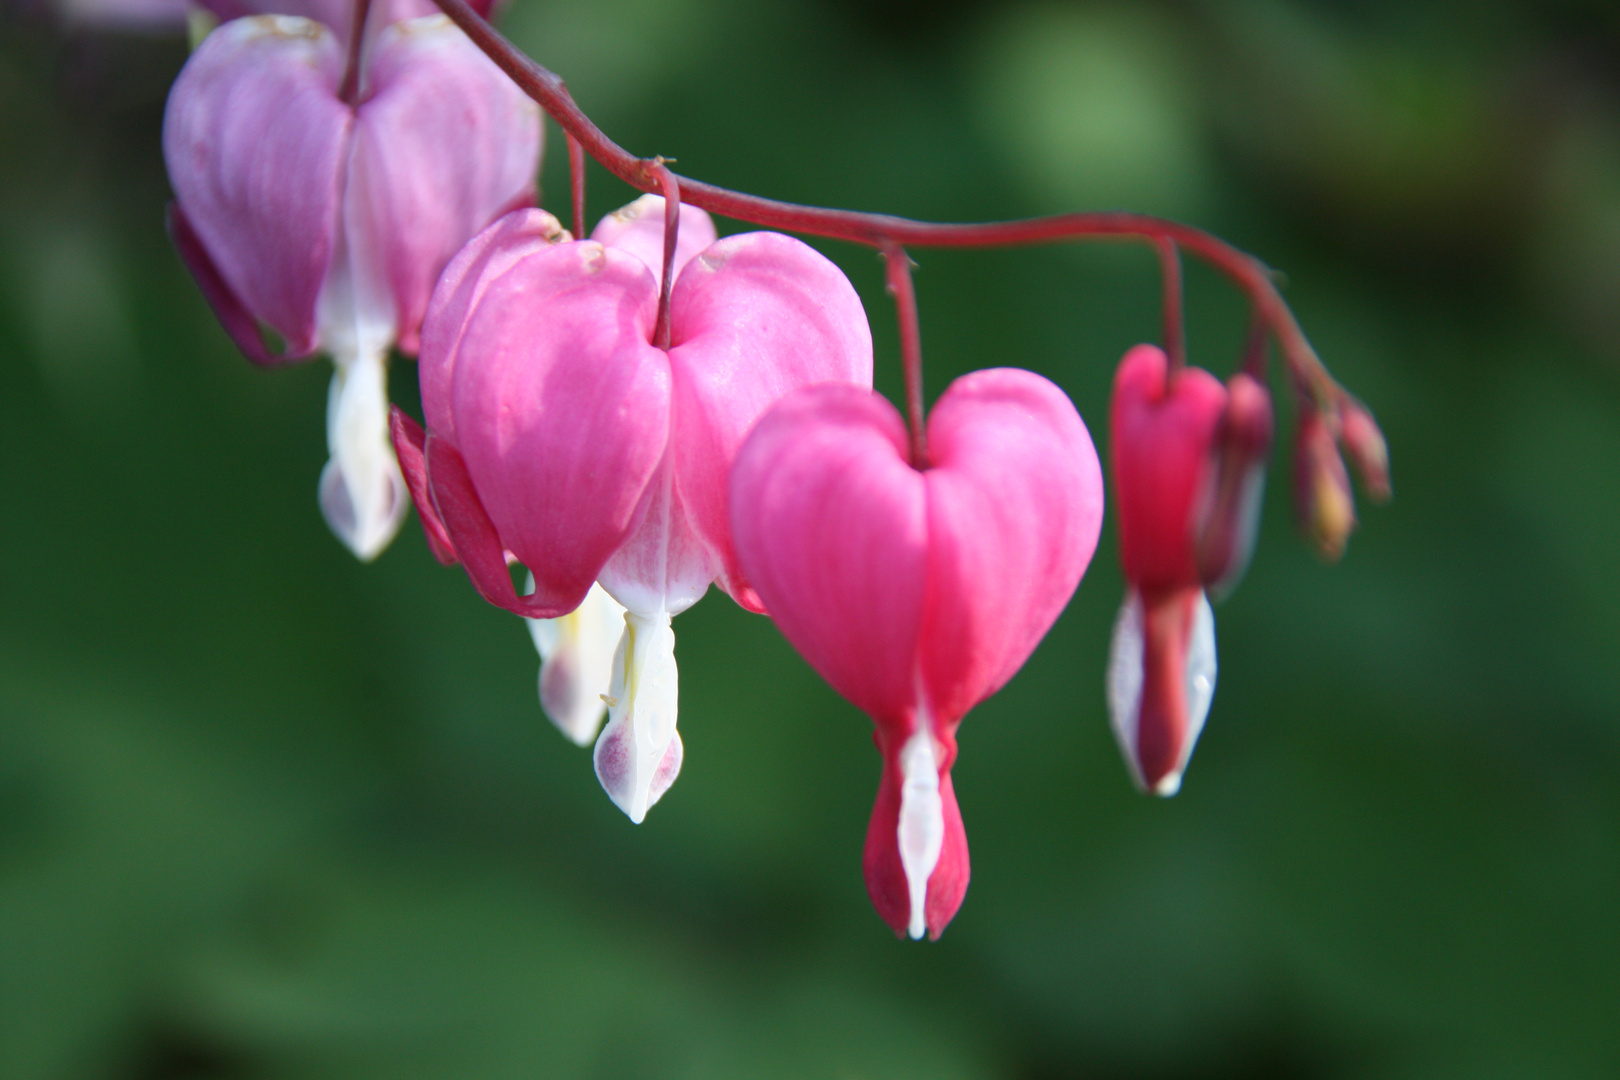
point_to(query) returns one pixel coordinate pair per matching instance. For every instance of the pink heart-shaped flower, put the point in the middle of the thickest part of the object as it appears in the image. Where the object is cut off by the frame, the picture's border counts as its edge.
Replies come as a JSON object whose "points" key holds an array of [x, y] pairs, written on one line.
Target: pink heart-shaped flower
{"points": [[918, 593], [592, 452]]}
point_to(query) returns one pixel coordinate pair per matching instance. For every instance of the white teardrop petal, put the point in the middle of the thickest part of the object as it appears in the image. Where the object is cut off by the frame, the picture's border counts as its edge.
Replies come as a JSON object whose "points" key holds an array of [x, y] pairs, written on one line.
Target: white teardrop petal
{"points": [[362, 493], [922, 823], [1200, 683], [636, 759], [1125, 682]]}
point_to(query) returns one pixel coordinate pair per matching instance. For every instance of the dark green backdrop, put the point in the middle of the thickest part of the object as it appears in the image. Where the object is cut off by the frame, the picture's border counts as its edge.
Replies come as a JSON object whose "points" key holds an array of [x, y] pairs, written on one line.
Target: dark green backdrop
{"points": [[266, 812]]}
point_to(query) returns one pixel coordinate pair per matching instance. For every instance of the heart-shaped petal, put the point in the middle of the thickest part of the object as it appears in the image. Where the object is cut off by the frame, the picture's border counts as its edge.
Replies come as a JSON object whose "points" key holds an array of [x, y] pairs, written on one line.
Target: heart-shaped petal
{"points": [[831, 525], [899, 585], [444, 144], [559, 408], [753, 317], [1015, 505], [485, 258], [256, 143]]}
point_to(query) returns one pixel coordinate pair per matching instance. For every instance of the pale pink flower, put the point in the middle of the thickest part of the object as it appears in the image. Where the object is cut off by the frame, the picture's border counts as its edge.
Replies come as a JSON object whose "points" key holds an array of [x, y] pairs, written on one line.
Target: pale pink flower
{"points": [[559, 435], [328, 221]]}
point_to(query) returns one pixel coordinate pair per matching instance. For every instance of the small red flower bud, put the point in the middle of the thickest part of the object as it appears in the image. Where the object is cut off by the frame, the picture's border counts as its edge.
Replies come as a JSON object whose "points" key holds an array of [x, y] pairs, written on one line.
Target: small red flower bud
{"points": [[1322, 496], [1359, 434], [1229, 507]]}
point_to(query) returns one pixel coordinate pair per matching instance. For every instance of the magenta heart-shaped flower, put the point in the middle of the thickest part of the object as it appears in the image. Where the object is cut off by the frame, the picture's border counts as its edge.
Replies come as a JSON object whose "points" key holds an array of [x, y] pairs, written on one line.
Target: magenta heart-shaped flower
{"points": [[917, 593]]}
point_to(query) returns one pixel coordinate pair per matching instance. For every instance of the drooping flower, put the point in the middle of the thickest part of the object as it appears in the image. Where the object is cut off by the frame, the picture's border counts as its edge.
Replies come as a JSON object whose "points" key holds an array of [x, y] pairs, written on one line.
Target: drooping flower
{"points": [[559, 435], [1187, 456], [328, 219], [917, 593]]}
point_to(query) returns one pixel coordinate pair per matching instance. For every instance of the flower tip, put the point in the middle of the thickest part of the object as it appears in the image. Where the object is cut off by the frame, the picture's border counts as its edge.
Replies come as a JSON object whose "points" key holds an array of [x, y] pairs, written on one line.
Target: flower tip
{"points": [[1168, 786], [1365, 444], [916, 858], [366, 534], [639, 753], [1323, 501], [634, 793], [1161, 681]]}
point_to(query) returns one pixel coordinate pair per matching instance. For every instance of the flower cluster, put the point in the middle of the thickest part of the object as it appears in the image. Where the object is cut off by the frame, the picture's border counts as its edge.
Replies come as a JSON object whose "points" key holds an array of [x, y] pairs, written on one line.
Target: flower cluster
{"points": [[634, 416]]}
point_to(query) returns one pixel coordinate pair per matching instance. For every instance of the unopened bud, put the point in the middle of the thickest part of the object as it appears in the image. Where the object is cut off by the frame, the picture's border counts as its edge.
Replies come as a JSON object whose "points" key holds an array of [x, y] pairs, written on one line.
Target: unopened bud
{"points": [[1229, 505], [1322, 497], [1365, 444]]}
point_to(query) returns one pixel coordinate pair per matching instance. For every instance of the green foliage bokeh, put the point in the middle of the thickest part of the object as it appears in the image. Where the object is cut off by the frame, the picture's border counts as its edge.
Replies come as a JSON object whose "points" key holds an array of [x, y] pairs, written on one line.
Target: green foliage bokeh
{"points": [[267, 812]]}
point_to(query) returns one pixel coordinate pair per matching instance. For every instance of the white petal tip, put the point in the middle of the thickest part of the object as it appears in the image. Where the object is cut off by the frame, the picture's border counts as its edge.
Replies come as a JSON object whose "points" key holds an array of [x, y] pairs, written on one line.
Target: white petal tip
{"points": [[1167, 786], [1124, 685], [365, 535], [922, 824], [633, 790]]}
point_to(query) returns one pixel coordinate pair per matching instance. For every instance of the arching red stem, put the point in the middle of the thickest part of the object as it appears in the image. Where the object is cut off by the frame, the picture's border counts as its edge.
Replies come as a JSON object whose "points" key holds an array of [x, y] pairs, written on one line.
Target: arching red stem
{"points": [[882, 230]]}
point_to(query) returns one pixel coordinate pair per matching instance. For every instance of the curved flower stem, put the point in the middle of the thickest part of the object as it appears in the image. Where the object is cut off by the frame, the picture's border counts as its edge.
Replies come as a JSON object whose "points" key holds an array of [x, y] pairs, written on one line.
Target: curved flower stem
{"points": [[898, 266], [883, 230], [1175, 332], [1254, 351], [672, 231], [349, 88], [576, 183]]}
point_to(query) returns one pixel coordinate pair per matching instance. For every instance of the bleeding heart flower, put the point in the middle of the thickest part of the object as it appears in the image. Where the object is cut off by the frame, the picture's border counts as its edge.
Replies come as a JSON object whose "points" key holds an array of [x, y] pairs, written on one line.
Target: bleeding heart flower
{"points": [[1188, 461], [559, 434], [917, 593], [328, 219]]}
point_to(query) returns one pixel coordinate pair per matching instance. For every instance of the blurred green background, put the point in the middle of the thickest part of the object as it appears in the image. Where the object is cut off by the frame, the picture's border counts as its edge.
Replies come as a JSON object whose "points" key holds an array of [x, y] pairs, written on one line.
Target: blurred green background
{"points": [[266, 812]]}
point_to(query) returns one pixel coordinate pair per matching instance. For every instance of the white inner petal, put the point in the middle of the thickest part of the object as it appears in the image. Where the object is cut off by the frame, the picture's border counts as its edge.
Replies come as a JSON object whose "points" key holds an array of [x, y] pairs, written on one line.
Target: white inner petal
{"points": [[922, 822], [362, 493], [1200, 676], [576, 662], [1247, 524], [1125, 681], [634, 759], [662, 566]]}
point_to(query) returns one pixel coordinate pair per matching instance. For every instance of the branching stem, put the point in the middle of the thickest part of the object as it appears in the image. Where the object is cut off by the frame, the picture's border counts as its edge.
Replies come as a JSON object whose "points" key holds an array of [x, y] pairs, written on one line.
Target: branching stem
{"points": [[883, 231]]}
